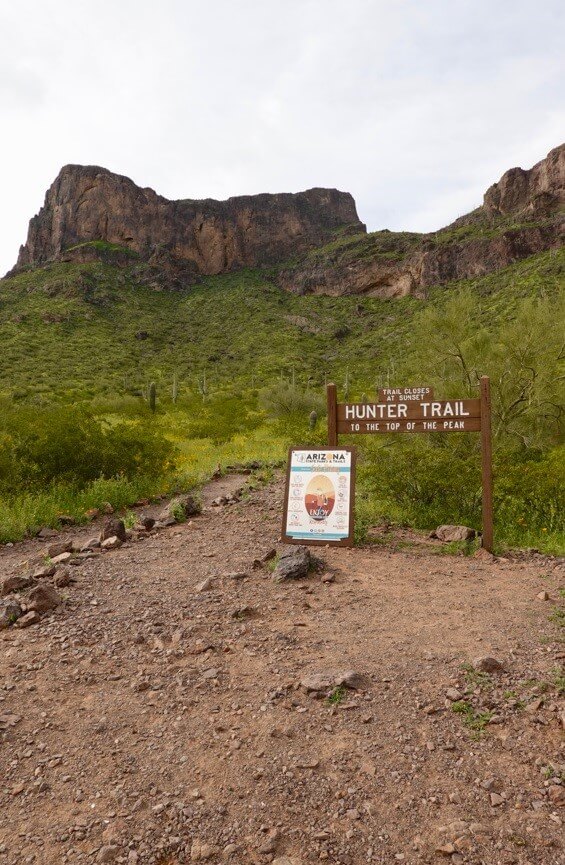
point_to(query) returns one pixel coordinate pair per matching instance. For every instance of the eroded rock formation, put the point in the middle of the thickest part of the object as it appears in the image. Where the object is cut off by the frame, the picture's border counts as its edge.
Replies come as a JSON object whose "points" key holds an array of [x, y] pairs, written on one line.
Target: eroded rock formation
{"points": [[87, 203], [90, 213], [521, 215]]}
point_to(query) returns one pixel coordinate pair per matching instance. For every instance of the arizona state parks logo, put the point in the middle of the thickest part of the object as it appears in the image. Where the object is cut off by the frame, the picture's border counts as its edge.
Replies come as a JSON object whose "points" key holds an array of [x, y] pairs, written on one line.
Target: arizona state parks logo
{"points": [[325, 457]]}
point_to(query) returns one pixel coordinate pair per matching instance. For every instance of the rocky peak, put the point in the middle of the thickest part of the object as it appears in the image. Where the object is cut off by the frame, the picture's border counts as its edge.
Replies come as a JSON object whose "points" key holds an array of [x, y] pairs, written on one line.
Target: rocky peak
{"points": [[91, 204], [534, 192]]}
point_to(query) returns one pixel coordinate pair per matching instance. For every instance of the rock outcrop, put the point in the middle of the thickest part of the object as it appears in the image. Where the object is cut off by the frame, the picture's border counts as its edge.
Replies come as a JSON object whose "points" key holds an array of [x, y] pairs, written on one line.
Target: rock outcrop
{"points": [[537, 192], [90, 213], [87, 204], [521, 215]]}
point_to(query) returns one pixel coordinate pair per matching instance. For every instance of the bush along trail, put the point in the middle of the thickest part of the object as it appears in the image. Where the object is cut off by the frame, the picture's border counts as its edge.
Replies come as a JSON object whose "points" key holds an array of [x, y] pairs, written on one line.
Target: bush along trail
{"points": [[177, 687]]}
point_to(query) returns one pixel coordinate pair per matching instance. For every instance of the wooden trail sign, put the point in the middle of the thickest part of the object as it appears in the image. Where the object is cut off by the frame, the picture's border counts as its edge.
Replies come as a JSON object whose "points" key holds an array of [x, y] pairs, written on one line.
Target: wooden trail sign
{"points": [[414, 410]]}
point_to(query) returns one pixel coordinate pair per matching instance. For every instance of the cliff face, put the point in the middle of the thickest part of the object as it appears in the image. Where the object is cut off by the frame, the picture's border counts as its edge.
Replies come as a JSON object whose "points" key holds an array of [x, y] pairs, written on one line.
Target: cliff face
{"points": [[521, 215], [87, 203], [537, 192]]}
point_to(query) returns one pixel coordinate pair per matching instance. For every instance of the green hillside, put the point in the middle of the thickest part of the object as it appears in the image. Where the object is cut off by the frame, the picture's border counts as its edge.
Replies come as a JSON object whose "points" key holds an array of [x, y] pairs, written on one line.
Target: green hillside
{"points": [[81, 343], [68, 331]]}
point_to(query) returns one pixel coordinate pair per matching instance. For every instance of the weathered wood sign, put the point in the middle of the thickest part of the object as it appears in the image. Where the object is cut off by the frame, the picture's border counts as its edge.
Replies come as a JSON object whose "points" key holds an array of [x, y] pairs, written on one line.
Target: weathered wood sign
{"points": [[414, 410]]}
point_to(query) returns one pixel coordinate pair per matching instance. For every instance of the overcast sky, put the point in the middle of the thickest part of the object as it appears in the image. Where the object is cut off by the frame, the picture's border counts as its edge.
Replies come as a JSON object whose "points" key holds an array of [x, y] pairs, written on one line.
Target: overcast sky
{"points": [[414, 106]]}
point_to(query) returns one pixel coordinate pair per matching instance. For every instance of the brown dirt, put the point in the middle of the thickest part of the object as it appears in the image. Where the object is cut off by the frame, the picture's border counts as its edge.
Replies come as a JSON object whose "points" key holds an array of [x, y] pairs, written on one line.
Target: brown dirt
{"points": [[151, 722]]}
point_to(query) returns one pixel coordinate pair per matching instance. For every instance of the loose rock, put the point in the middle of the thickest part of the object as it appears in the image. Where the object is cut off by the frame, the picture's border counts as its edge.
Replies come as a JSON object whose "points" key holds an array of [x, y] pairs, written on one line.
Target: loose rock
{"points": [[57, 549], [293, 564], [31, 618], [44, 598], [113, 528], [487, 664], [448, 534], [111, 543], [10, 612], [180, 508], [15, 584], [44, 571]]}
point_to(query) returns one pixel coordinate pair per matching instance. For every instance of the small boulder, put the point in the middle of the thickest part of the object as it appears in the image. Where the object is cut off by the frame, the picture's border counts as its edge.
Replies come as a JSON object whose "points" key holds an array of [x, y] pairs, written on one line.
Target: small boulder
{"points": [[113, 528], [10, 612], [329, 679], [15, 584], [200, 851], [62, 579], [287, 860], [108, 853], [66, 519], [44, 598], [317, 682], [147, 523], [180, 508], [46, 532], [31, 618], [293, 564], [62, 559], [352, 679], [44, 571], [92, 544], [484, 556], [111, 543], [205, 585], [543, 596], [488, 665], [453, 695], [55, 550], [447, 534]]}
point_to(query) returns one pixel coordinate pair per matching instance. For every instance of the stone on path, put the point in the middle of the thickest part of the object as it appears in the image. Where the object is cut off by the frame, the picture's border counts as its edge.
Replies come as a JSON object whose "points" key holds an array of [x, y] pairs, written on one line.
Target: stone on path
{"points": [[31, 618], [57, 549], [293, 564], [10, 612], [179, 509], [44, 598], [111, 543], [15, 584], [44, 571], [329, 679], [487, 664], [113, 528], [62, 558]]}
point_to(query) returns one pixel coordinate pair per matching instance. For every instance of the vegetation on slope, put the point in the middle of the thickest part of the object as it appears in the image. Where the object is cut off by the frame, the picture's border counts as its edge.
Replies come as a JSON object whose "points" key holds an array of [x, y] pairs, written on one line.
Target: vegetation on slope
{"points": [[249, 361]]}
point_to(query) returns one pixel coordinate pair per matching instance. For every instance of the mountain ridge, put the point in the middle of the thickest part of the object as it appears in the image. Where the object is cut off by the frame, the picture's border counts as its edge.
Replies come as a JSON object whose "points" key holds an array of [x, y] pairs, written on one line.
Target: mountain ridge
{"points": [[195, 237], [314, 239]]}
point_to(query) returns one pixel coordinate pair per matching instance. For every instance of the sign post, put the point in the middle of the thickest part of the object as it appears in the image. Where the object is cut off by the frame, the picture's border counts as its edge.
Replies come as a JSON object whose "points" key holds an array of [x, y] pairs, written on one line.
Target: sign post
{"points": [[415, 410], [486, 464]]}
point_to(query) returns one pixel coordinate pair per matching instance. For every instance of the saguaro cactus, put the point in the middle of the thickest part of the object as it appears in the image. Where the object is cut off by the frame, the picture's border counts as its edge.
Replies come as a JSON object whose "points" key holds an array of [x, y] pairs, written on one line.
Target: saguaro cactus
{"points": [[152, 396], [175, 388]]}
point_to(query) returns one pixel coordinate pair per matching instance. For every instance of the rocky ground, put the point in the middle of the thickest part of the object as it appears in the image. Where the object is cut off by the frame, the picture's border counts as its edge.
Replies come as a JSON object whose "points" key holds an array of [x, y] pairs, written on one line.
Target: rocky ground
{"points": [[179, 705]]}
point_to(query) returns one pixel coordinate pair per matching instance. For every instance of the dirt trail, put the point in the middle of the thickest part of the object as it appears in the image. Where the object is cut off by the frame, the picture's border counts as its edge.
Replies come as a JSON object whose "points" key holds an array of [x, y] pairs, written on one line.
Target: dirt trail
{"points": [[155, 720]]}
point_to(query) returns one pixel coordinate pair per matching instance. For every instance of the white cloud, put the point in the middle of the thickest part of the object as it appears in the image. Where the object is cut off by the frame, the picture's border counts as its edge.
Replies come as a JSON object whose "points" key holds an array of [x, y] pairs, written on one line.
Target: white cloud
{"points": [[413, 107]]}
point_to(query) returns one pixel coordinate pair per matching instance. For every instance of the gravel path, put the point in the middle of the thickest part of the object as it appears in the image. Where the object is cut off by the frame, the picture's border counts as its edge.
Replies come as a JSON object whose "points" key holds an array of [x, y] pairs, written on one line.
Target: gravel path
{"points": [[158, 715]]}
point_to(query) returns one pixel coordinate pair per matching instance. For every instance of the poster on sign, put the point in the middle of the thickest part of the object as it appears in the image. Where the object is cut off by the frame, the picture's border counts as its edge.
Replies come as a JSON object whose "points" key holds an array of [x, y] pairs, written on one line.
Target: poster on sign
{"points": [[319, 496]]}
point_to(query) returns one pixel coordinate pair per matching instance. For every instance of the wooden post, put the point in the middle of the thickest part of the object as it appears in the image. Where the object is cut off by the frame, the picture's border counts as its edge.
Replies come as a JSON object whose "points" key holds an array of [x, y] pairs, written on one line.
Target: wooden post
{"points": [[486, 464], [331, 394]]}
